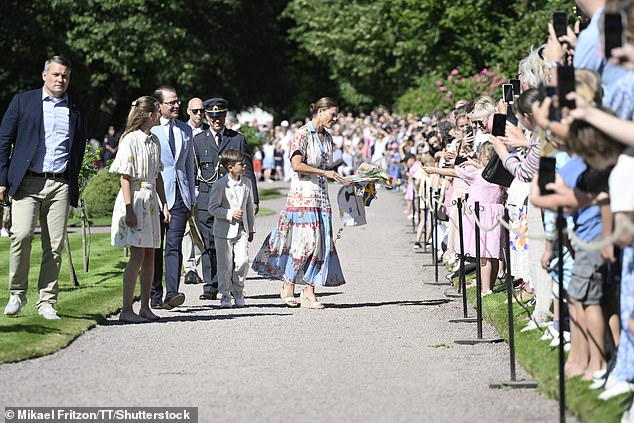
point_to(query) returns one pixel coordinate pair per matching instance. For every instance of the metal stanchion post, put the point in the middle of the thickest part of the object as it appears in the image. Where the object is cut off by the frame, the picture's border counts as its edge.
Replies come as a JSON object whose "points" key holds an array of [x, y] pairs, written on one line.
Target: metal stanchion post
{"points": [[462, 278], [560, 270], [476, 228], [436, 233], [432, 224], [479, 339], [425, 210], [513, 383]]}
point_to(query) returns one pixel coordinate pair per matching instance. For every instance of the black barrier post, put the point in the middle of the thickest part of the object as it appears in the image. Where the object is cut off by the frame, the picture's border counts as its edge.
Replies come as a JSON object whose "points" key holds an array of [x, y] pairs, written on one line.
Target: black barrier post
{"points": [[479, 339], [560, 269], [432, 227], [436, 236], [476, 212], [462, 278], [425, 210], [513, 383]]}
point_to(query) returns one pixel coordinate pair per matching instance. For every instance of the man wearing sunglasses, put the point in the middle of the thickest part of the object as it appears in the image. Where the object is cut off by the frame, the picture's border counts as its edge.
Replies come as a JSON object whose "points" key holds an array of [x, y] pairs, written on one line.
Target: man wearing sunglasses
{"points": [[208, 147], [177, 157], [196, 113]]}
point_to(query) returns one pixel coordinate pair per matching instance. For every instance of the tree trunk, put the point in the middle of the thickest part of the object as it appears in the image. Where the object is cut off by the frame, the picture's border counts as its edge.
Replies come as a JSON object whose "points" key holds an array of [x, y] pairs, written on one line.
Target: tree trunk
{"points": [[71, 267]]}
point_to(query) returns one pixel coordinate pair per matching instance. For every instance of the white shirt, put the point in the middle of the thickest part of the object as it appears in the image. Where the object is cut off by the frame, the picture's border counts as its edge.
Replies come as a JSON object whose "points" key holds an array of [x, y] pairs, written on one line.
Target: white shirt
{"points": [[215, 135], [178, 137], [237, 187], [195, 131]]}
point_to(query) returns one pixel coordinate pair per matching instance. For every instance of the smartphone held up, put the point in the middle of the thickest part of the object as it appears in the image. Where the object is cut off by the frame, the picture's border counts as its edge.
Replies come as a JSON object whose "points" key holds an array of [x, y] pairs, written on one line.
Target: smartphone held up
{"points": [[565, 86], [560, 23], [499, 125], [546, 174], [613, 32]]}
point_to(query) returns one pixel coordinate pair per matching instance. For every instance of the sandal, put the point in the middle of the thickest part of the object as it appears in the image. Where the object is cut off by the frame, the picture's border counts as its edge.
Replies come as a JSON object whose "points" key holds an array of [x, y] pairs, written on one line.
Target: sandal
{"points": [[306, 303], [289, 301]]}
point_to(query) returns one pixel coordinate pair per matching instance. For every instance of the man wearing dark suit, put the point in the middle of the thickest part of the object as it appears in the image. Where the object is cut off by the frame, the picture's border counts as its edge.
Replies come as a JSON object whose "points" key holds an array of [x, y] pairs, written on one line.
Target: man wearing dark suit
{"points": [[208, 147], [47, 129], [178, 173]]}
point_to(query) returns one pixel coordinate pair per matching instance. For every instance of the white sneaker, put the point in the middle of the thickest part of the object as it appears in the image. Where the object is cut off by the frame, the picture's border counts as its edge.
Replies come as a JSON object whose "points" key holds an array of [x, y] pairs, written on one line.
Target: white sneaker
{"points": [[532, 325], [599, 374], [48, 312], [14, 306], [4, 233], [617, 389], [555, 341], [602, 383], [239, 301], [225, 301], [549, 333]]}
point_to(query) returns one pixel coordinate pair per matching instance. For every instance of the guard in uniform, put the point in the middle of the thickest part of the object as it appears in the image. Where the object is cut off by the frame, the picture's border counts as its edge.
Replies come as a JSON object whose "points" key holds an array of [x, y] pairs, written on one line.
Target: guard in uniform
{"points": [[208, 147]]}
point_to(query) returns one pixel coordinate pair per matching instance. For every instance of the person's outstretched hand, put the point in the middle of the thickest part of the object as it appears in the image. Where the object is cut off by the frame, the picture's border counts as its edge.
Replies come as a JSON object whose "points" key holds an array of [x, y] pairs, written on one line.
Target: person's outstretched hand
{"points": [[623, 56]]}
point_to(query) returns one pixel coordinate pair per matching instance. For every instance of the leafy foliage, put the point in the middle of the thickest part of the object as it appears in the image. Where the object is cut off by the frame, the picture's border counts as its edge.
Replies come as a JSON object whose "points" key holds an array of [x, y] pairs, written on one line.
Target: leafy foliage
{"points": [[435, 92], [254, 139], [100, 194], [279, 54]]}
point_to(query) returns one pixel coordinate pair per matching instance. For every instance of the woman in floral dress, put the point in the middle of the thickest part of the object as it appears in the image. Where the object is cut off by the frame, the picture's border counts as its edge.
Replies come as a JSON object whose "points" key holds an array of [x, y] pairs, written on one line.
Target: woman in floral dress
{"points": [[135, 218], [301, 249]]}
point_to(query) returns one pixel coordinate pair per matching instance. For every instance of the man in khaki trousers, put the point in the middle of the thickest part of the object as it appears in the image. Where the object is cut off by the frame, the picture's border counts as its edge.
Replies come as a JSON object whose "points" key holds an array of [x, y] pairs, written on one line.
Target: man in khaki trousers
{"points": [[46, 129]]}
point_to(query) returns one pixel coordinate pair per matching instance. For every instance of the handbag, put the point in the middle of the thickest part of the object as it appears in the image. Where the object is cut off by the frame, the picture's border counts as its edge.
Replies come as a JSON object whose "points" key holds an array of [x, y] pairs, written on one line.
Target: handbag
{"points": [[496, 173], [441, 214]]}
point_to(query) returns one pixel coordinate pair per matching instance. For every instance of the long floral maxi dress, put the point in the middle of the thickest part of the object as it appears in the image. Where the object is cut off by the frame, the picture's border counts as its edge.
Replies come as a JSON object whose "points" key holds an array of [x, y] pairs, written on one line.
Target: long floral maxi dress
{"points": [[301, 249]]}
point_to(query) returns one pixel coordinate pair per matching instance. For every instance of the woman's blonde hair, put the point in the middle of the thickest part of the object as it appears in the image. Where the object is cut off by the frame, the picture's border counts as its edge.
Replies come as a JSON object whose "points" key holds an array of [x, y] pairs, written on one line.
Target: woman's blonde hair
{"points": [[532, 68], [486, 152], [483, 107], [139, 111], [588, 86]]}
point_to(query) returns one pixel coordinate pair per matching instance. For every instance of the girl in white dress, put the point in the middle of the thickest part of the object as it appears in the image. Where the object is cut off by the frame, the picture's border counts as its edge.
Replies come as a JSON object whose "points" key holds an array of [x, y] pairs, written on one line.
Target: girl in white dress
{"points": [[135, 218]]}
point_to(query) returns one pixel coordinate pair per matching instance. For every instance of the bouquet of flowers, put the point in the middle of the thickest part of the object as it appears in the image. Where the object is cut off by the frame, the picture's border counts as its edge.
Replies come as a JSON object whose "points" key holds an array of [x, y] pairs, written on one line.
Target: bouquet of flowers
{"points": [[369, 173]]}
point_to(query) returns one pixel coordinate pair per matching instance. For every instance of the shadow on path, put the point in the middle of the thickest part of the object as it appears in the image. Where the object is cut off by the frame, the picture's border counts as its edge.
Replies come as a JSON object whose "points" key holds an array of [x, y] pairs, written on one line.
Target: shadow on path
{"points": [[434, 302], [277, 296], [196, 318]]}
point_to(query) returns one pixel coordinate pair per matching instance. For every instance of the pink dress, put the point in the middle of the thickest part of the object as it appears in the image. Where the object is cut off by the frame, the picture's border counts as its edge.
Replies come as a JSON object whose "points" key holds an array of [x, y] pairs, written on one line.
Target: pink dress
{"points": [[491, 198], [409, 192]]}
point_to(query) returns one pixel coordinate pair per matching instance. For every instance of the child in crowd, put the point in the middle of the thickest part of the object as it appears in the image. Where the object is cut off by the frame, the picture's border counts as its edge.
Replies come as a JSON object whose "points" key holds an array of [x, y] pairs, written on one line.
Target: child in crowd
{"points": [[491, 198], [135, 218], [412, 167], [231, 203]]}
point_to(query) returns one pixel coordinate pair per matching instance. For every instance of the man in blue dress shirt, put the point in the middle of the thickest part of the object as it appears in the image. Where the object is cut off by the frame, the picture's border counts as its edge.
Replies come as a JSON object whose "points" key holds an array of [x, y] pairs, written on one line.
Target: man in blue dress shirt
{"points": [[42, 144]]}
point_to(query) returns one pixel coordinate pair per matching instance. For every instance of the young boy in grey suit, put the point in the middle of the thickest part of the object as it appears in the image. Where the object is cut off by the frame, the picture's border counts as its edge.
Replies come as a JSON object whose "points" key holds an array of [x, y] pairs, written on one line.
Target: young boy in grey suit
{"points": [[231, 203]]}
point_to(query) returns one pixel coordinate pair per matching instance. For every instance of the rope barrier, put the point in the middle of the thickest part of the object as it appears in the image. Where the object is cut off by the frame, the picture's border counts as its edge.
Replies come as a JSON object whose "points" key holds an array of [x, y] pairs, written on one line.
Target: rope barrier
{"points": [[625, 228]]}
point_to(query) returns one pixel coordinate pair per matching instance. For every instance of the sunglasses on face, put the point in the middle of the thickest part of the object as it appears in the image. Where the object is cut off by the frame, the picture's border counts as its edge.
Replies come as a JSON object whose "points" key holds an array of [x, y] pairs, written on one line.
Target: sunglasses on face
{"points": [[197, 111]]}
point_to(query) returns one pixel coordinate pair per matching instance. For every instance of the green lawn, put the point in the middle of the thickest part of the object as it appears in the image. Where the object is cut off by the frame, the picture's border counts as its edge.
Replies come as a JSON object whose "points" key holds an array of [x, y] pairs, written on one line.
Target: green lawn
{"points": [[268, 193], [28, 335], [541, 361], [99, 295]]}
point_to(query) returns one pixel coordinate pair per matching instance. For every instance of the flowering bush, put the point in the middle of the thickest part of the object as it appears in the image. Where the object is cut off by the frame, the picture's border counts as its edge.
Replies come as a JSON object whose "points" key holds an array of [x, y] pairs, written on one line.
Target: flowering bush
{"points": [[436, 92]]}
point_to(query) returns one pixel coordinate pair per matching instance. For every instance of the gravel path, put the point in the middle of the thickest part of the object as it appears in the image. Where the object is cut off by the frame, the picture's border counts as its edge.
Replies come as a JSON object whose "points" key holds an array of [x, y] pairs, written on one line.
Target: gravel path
{"points": [[382, 350]]}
